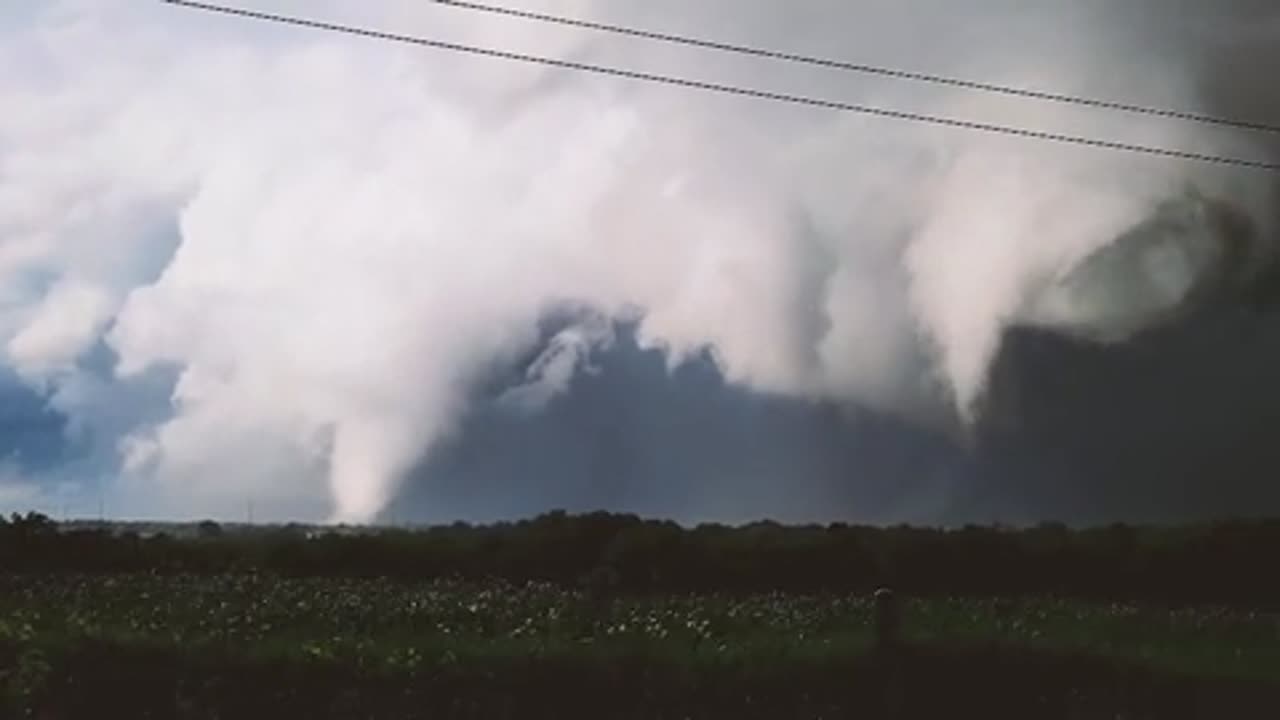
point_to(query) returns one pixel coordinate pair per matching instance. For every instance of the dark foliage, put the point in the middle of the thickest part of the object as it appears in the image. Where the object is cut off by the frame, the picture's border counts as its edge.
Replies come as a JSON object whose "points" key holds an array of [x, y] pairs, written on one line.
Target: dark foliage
{"points": [[85, 679], [1225, 563]]}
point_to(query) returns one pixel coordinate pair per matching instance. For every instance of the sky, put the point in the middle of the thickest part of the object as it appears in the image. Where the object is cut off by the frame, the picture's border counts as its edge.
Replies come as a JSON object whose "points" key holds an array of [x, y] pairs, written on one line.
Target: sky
{"points": [[337, 279]]}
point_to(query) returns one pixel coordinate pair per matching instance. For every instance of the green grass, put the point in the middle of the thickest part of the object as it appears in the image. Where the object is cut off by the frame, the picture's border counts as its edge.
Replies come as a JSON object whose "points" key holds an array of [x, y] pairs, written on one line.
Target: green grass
{"points": [[63, 636], [380, 619]]}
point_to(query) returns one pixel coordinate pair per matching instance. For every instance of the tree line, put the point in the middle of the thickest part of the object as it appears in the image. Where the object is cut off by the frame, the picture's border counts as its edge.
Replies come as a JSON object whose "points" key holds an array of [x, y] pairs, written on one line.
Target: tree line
{"points": [[1227, 563]]}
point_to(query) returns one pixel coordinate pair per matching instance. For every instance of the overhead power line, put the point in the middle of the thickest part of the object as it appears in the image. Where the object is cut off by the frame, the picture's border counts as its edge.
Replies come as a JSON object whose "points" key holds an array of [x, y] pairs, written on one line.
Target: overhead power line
{"points": [[882, 71], [670, 80]]}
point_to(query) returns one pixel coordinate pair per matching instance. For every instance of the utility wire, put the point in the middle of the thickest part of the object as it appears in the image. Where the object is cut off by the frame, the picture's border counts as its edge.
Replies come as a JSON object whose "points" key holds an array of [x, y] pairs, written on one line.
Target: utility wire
{"points": [[731, 89], [895, 73]]}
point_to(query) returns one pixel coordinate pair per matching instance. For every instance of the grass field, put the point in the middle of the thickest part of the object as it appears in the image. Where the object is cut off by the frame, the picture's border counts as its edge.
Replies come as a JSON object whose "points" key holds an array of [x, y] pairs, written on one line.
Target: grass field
{"points": [[58, 632]]}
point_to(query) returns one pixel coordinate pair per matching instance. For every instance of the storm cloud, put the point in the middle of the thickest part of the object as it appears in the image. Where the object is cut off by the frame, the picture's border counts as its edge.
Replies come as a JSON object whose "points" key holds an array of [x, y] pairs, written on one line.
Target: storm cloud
{"points": [[246, 263]]}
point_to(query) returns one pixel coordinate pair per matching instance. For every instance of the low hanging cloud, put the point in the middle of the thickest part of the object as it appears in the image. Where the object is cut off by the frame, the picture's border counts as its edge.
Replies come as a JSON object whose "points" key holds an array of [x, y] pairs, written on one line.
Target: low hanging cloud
{"points": [[330, 243]]}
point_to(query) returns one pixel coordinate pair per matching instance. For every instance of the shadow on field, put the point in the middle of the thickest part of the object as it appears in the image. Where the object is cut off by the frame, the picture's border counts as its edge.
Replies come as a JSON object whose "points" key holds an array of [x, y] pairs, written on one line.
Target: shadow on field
{"points": [[90, 679]]}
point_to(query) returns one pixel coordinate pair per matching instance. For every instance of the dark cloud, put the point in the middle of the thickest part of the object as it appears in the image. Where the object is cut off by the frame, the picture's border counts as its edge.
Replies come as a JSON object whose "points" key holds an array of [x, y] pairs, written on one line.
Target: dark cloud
{"points": [[1175, 425], [31, 434], [633, 437]]}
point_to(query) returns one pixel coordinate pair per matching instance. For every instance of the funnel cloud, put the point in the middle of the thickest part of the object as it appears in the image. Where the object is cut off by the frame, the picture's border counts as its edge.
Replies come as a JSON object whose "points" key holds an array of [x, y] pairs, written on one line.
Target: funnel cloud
{"points": [[348, 280]]}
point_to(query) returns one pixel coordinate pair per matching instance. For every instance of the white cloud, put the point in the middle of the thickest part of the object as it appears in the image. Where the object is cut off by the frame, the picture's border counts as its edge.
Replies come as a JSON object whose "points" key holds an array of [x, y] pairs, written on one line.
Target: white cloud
{"points": [[364, 229], [65, 323]]}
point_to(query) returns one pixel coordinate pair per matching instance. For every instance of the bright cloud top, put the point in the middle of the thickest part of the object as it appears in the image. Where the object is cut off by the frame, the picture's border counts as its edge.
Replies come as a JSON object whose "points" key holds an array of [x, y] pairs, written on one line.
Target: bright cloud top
{"points": [[332, 241]]}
